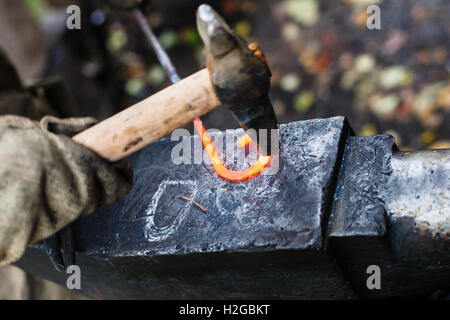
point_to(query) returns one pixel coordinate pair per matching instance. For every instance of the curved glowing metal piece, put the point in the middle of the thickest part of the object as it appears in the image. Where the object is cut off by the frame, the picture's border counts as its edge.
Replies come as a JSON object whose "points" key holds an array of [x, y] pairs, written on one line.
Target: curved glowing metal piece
{"points": [[244, 140], [221, 170], [207, 143]]}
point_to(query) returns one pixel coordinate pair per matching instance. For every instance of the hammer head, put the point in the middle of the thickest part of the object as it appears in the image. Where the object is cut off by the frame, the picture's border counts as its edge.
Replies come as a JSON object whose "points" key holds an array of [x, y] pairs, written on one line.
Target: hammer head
{"points": [[240, 76]]}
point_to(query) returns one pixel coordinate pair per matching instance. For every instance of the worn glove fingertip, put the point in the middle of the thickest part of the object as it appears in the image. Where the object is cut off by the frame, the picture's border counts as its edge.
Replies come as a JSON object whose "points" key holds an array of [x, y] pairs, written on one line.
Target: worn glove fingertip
{"points": [[67, 126], [123, 181]]}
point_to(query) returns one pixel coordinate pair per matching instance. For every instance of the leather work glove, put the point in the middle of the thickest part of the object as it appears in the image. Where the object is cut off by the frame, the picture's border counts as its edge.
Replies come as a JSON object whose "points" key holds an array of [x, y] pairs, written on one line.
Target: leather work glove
{"points": [[47, 180]]}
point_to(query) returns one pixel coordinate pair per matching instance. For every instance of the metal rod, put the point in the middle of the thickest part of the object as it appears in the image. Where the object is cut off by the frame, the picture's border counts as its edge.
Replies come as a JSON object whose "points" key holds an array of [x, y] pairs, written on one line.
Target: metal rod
{"points": [[160, 52]]}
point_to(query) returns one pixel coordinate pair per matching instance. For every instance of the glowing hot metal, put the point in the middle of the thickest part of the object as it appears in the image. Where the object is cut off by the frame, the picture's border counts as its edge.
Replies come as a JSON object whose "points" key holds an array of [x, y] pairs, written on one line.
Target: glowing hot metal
{"points": [[217, 163]]}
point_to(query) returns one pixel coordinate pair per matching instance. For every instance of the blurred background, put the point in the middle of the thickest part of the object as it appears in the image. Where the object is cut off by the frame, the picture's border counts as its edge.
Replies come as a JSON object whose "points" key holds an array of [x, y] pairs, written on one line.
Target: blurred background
{"points": [[324, 60]]}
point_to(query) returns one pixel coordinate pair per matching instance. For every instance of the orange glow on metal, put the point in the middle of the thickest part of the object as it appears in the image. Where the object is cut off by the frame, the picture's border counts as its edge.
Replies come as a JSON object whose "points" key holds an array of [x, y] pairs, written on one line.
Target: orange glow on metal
{"points": [[221, 170], [244, 140]]}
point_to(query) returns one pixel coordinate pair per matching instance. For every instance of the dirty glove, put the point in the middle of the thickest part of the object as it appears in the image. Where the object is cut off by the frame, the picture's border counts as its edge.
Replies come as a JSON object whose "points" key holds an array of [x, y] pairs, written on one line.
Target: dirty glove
{"points": [[47, 180]]}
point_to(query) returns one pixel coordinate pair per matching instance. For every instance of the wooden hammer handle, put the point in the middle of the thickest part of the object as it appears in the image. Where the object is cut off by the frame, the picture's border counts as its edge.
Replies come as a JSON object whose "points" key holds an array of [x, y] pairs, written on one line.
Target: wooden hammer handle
{"points": [[152, 118]]}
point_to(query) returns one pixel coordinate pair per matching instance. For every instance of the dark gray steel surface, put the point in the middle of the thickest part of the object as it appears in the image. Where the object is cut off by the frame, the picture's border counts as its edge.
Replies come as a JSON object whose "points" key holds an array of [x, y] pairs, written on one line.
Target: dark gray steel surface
{"points": [[392, 210]]}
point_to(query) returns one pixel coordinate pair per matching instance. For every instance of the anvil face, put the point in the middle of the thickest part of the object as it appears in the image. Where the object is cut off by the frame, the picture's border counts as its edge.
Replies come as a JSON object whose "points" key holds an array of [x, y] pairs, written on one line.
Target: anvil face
{"points": [[280, 211]]}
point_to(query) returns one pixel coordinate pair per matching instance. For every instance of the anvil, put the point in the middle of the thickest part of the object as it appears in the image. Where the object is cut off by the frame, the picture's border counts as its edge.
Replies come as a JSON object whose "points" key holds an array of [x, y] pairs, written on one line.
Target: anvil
{"points": [[337, 205]]}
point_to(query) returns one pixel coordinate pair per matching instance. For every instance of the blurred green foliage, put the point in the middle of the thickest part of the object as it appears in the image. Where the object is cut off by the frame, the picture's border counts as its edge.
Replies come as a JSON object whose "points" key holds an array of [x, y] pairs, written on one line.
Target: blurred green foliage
{"points": [[36, 7]]}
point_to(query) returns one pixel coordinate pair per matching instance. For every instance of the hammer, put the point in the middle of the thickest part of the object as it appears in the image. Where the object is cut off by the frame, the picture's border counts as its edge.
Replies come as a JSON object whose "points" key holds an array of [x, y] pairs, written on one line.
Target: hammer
{"points": [[237, 77]]}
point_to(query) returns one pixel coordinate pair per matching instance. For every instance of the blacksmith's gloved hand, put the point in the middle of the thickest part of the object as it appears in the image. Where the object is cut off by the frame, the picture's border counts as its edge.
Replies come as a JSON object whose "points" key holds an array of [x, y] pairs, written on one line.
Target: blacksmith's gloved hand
{"points": [[47, 180]]}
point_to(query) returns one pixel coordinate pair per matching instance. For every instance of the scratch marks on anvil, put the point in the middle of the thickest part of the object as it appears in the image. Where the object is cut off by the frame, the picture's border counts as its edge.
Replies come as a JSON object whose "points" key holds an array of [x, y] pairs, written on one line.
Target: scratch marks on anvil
{"points": [[156, 233]]}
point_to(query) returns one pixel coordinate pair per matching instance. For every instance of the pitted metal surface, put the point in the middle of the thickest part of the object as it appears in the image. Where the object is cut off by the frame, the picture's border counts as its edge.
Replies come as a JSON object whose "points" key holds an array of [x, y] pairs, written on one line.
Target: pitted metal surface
{"points": [[392, 210], [419, 190], [359, 209]]}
